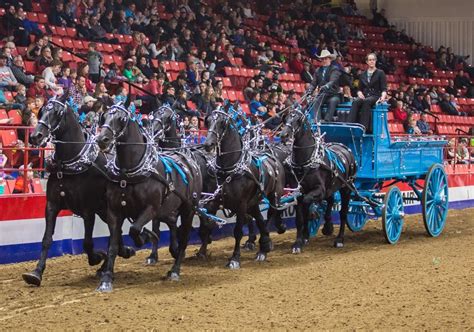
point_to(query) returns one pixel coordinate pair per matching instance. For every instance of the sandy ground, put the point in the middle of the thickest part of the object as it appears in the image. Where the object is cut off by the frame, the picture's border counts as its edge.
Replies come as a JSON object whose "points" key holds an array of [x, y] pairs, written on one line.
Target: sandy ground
{"points": [[420, 283]]}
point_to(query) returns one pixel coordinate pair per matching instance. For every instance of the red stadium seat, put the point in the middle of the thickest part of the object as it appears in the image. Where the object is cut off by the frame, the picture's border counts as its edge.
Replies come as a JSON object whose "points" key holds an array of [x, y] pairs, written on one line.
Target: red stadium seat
{"points": [[15, 117], [8, 137]]}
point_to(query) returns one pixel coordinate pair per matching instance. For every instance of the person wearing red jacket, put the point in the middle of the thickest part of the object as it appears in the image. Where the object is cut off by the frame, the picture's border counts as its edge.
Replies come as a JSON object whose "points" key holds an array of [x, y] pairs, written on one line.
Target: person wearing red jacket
{"points": [[400, 113]]}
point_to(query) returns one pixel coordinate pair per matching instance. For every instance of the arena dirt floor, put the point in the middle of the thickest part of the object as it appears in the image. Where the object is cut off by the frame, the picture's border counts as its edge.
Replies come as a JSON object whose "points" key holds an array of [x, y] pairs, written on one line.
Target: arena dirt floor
{"points": [[420, 283]]}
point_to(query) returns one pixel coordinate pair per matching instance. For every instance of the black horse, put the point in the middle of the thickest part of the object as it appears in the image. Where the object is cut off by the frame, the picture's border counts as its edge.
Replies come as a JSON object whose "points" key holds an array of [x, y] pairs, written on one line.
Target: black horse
{"points": [[146, 185], [167, 134], [76, 180], [245, 180], [321, 170]]}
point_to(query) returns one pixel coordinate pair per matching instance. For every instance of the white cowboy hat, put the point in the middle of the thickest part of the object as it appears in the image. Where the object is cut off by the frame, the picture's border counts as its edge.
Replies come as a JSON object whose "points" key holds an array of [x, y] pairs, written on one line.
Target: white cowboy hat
{"points": [[326, 54]]}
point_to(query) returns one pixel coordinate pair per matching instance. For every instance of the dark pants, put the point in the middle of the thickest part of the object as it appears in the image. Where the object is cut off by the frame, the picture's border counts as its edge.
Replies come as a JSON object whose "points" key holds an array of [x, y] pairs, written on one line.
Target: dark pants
{"points": [[361, 112], [332, 102], [95, 78]]}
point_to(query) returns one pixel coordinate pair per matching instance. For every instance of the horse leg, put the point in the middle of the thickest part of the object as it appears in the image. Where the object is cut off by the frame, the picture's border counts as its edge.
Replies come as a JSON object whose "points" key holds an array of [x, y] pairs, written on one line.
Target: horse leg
{"points": [[93, 257], [183, 238], [300, 220], [265, 243], [153, 258], [234, 261], [250, 243], [345, 200], [135, 233], [124, 251], [204, 235], [328, 228], [115, 229], [274, 216], [35, 277], [174, 243]]}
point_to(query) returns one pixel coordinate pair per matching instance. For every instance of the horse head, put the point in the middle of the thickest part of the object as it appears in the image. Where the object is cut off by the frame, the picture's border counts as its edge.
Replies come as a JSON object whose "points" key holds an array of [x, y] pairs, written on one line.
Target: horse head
{"points": [[217, 124], [162, 121], [114, 124], [292, 123], [52, 121]]}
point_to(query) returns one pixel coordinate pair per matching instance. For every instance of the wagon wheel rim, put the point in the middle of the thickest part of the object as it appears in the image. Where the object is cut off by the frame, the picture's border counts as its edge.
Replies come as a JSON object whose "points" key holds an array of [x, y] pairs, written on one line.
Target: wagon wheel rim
{"points": [[435, 200], [393, 215], [357, 217]]}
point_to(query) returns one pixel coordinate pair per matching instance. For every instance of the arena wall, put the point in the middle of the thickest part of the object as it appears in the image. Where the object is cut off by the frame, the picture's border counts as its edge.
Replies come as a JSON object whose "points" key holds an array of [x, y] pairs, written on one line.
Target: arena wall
{"points": [[22, 224]]}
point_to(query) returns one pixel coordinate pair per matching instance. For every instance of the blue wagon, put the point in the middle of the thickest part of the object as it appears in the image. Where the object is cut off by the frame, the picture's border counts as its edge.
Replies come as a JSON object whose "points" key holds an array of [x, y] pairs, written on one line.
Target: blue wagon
{"points": [[382, 158]]}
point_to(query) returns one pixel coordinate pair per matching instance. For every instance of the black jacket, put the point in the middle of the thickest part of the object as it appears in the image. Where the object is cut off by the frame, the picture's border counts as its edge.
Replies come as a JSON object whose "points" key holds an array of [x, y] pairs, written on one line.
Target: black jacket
{"points": [[328, 82], [377, 84]]}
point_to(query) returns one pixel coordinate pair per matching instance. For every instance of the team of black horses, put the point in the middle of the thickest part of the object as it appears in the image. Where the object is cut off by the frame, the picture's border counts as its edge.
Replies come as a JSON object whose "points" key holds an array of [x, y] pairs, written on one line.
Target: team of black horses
{"points": [[143, 171]]}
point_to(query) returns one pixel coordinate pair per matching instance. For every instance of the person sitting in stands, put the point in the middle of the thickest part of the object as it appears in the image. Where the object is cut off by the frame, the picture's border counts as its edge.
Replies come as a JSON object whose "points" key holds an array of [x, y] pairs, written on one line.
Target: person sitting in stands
{"points": [[20, 187], [424, 125], [372, 88]]}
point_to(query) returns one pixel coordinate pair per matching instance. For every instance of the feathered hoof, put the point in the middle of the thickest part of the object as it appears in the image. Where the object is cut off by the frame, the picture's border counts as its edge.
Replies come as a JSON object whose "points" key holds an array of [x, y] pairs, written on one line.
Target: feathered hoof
{"points": [[296, 250], [172, 276], [233, 264], [338, 244], [150, 261], [249, 246], [261, 257], [105, 287]]}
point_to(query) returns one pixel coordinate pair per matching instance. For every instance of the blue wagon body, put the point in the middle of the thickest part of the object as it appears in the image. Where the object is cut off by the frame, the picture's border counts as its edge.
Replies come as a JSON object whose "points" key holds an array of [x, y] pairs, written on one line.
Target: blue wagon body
{"points": [[380, 158]]}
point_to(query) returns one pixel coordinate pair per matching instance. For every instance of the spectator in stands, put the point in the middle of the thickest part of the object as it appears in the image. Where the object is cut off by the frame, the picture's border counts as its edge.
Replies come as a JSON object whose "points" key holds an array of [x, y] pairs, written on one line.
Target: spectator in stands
{"points": [[257, 108], [399, 113], [59, 17], [451, 89], [447, 107], [442, 62], [372, 88], [423, 124], [18, 70], [23, 28], [433, 93], [462, 81], [169, 96], [87, 105], [379, 18], [45, 59], [50, 80], [94, 60], [38, 88], [412, 127], [306, 75], [102, 94], [65, 80], [325, 87], [249, 90], [78, 91], [420, 103], [27, 115], [7, 78], [20, 98], [20, 186], [297, 64]]}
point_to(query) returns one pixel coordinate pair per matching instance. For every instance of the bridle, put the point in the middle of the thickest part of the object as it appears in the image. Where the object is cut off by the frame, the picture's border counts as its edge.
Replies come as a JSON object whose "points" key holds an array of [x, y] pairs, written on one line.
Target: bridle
{"points": [[125, 114], [50, 108], [161, 120]]}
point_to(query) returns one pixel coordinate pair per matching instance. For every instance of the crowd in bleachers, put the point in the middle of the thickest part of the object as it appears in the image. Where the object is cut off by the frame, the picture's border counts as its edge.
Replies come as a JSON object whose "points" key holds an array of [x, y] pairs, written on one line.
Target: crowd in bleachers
{"points": [[196, 54]]}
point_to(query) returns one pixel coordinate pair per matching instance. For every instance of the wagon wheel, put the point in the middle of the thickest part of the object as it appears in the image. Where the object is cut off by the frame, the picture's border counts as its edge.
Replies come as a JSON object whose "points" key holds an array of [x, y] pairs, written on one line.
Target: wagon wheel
{"points": [[435, 200], [392, 215], [357, 217]]}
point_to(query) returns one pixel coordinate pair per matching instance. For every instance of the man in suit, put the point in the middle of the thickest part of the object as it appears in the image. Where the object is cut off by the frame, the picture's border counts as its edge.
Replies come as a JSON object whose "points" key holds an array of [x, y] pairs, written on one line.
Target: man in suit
{"points": [[325, 87], [372, 88]]}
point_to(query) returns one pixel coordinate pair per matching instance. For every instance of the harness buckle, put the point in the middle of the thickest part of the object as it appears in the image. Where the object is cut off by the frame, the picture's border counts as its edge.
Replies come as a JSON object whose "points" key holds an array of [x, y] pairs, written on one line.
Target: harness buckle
{"points": [[59, 175], [228, 179], [123, 184], [171, 186]]}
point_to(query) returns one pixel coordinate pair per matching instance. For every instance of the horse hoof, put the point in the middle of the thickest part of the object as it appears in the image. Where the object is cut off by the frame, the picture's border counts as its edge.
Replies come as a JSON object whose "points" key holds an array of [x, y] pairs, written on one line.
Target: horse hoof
{"points": [[249, 246], [233, 265], [261, 257], [173, 276], [135, 235], [338, 244], [296, 250], [97, 257], [201, 256], [151, 261], [105, 287], [281, 229], [127, 252], [32, 278], [329, 230]]}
